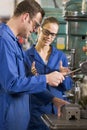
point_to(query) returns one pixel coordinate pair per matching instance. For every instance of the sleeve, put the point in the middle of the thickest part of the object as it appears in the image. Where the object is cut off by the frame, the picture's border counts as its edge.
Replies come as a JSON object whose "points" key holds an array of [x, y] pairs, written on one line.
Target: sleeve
{"points": [[67, 84], [12, 72], [42, 98]]}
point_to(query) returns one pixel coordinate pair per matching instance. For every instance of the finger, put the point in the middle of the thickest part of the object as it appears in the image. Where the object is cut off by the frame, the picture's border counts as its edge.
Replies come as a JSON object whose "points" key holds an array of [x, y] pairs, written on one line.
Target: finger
{"points": [[59, 111], [33, 64], [34, 71], [60, 64]]}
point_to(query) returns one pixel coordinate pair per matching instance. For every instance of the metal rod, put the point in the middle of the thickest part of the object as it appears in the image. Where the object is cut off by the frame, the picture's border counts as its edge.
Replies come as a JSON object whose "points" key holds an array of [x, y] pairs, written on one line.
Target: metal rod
{"points": [[71, 72]]}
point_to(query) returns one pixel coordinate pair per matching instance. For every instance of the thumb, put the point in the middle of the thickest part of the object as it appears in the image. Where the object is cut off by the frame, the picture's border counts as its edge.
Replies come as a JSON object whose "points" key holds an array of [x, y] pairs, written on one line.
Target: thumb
{"points": [[33, 64], [60, 64]]}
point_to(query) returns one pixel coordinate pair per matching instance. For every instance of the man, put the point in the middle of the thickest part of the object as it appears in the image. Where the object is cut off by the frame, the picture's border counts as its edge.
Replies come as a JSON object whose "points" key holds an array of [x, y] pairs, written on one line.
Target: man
{"points": [[15, 87]]}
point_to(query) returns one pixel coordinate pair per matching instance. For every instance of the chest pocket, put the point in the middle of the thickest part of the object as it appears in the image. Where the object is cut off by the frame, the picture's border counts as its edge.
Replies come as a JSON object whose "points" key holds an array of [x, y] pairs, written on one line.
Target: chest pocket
{"points": [[20, 65]]}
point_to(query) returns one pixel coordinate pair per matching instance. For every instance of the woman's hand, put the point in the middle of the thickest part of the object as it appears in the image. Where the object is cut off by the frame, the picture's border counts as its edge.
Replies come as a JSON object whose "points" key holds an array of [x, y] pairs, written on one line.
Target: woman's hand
{"points": [[33, 69], [63, 70]]}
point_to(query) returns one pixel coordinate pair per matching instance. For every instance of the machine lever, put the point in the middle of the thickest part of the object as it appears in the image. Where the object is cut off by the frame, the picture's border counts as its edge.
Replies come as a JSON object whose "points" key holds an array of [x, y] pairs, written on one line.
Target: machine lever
{"points": [[71, 72], [82, 68]]}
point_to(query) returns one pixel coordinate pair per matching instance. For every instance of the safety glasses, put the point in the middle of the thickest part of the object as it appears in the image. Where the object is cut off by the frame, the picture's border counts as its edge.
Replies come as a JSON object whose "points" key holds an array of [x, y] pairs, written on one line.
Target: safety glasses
{"points": [[47, 33]]}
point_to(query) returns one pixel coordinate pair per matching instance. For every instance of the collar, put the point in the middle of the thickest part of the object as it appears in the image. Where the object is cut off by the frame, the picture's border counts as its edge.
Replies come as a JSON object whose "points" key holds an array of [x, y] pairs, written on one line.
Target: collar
{"points": [[8, 30], [33, 50]]}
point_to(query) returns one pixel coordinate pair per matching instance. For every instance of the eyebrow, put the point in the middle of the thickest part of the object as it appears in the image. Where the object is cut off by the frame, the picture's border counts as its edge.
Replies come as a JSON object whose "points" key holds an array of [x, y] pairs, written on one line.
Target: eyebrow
{"points": [[50, 32]]}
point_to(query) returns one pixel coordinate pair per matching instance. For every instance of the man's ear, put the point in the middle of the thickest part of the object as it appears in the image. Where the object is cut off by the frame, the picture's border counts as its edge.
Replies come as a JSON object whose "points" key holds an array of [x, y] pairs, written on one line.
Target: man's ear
{"points": [[25, 17]]}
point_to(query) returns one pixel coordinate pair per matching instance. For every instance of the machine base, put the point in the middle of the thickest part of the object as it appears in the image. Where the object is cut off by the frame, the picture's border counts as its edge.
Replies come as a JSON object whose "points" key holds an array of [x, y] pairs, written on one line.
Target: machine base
{"points": [[55, 123]]}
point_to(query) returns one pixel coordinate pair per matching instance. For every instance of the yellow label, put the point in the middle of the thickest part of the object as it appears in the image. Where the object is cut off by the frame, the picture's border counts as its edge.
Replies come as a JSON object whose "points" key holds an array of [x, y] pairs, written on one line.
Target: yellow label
{"points": [[61, 46]]}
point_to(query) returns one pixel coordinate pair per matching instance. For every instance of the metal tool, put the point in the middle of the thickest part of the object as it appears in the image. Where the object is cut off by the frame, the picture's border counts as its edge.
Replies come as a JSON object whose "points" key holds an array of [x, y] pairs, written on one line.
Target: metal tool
{"points": [[82, 68]]}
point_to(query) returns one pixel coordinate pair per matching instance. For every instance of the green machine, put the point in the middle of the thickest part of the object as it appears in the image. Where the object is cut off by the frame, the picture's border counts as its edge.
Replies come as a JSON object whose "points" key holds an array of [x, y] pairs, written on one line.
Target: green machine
{"points": [[75, 14]]}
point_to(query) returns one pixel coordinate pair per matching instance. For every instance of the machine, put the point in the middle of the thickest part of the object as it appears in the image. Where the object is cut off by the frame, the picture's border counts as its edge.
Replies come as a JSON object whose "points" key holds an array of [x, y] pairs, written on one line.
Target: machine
{"points": [[74, 115], [76, 17]]}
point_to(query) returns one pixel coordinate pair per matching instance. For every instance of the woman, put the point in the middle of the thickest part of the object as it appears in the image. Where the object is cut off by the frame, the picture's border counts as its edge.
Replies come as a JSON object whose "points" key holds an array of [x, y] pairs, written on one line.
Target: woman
{"points": [[46, 59]]}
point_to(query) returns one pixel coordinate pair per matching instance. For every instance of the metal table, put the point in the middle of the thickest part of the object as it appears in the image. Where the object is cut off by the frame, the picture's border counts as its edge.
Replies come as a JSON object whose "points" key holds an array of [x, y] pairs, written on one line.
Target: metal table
{"points": [[55, 123]]}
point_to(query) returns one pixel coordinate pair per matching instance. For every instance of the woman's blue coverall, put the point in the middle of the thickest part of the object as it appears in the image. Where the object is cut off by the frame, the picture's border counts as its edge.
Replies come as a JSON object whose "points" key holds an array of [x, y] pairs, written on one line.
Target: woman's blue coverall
{"points": [[37, 109]]}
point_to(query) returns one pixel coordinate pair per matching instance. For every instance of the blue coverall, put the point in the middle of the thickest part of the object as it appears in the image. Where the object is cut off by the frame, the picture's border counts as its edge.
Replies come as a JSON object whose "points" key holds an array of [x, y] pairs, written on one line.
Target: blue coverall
{"points": [[15, 86], [37, 109]]}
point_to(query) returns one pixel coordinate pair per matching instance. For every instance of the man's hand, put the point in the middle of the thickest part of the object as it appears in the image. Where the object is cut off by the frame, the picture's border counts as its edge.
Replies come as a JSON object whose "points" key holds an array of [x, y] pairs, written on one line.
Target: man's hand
{"points": [[59, 103], [54, 78], [63, 70]]}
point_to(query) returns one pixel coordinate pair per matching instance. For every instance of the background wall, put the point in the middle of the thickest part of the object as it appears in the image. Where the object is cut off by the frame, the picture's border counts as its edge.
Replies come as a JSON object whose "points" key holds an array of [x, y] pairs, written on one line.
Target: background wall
{"points": [[7, 7]]}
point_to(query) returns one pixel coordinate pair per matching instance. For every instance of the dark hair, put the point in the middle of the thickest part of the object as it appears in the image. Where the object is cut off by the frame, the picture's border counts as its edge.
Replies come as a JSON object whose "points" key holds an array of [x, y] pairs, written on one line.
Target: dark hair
{"points": [[28, 6], [49, 20]]}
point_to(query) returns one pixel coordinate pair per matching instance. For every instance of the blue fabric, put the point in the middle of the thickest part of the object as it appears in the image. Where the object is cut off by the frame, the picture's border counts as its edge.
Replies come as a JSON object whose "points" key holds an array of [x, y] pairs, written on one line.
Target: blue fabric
{"points": [[37, 109], [15, 86]]}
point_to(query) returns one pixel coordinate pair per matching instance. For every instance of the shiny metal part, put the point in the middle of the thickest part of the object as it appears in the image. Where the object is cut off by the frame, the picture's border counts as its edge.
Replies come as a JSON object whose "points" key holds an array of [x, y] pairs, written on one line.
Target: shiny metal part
{"points": [[71, 112]]}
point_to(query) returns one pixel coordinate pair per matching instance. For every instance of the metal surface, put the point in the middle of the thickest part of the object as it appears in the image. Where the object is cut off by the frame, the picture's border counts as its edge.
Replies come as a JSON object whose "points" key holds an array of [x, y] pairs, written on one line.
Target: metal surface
{"points": [[71, 112], [75, 13], [83, 69], [55, 123], [76, 8], [84, 114]]}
